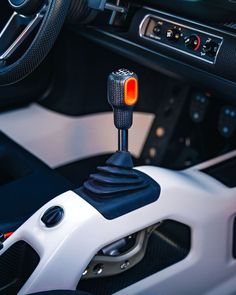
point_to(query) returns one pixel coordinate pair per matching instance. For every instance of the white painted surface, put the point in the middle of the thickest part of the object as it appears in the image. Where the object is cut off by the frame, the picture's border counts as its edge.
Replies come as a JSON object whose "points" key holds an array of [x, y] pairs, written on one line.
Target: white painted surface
{"points": [[190, 197], [58, 139]]}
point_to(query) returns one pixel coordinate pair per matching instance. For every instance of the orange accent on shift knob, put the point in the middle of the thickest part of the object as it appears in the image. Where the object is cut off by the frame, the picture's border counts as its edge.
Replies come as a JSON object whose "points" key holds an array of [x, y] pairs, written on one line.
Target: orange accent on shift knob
{"points": [[131, 91]]}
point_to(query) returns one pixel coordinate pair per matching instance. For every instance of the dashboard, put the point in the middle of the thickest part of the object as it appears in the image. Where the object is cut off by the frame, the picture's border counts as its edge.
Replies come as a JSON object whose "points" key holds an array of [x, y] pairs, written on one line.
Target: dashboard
{"points": [[192, 40], [185, 39], [202, 53], [206, 10]]}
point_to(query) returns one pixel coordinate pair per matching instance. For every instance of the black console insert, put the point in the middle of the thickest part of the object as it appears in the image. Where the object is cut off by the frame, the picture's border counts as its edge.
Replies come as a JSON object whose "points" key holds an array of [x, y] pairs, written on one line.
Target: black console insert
{"points": [[224, 172], [16, 266]]}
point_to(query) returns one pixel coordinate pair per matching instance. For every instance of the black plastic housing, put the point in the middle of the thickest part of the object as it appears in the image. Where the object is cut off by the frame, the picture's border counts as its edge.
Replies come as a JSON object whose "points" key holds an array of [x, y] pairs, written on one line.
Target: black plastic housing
{"points": [[205, 10], [118, 189], [16, 266]]}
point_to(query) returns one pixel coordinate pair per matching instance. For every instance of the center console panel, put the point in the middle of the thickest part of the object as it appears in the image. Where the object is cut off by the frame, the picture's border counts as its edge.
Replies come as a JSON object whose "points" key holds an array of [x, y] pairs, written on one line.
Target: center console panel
{"points": [[190, 127], [184, 39], [188, 240]]}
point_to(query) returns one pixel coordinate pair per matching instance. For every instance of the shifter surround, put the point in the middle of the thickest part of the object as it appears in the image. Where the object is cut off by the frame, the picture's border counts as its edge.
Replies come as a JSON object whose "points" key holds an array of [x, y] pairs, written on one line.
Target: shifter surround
{"points": [[118, 189]]}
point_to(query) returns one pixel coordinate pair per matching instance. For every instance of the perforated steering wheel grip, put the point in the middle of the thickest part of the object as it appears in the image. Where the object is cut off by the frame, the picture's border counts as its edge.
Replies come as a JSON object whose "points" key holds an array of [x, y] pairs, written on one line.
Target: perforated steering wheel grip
{"points": [[48, 31]]}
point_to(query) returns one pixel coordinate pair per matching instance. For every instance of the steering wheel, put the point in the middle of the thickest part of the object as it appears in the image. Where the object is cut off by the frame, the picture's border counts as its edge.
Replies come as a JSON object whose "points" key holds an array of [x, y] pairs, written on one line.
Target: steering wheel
{"points": [[28, 36]]}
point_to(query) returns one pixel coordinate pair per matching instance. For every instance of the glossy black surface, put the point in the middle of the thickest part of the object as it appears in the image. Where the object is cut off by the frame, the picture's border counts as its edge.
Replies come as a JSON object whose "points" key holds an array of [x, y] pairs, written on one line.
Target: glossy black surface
{"points": [[205, 10]]}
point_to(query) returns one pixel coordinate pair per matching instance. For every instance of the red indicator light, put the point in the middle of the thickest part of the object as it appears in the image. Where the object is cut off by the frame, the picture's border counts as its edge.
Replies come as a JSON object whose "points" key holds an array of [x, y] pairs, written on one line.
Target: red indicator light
{"points": [[198, 43], [131, 91]]}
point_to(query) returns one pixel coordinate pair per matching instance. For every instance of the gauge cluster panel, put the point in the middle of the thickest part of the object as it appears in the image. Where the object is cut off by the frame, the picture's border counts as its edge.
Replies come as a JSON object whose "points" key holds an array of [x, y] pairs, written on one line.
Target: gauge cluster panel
{"points": [[190, 41]]}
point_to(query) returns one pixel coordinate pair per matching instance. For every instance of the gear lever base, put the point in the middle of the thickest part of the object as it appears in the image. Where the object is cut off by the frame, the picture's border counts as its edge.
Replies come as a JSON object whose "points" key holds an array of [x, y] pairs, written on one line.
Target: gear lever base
{"points": [[117, 188]]}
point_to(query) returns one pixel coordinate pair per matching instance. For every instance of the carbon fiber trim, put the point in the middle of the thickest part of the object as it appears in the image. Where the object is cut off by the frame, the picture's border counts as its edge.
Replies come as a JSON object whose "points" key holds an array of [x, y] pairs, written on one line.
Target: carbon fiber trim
{"points": [[16, 265]]}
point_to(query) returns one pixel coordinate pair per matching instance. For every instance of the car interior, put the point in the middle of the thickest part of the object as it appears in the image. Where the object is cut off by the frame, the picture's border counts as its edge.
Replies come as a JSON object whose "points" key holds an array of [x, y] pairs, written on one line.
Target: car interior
{"points": [[118, 147]]}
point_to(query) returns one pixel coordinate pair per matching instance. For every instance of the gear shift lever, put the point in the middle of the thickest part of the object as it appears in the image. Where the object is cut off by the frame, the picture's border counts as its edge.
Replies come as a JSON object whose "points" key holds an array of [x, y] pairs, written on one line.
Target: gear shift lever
{"points": [[122, 96], [117, 188]]}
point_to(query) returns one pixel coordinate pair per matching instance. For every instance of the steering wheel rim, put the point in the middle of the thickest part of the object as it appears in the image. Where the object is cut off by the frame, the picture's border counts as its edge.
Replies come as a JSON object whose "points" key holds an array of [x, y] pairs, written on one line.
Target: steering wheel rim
{"points": [[48, 31]]}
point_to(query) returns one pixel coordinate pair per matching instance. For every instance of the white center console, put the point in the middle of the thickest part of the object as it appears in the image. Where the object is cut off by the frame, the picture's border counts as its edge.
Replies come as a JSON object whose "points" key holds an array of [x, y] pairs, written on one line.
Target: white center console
{"points": [[190, 197], [142, 231]]}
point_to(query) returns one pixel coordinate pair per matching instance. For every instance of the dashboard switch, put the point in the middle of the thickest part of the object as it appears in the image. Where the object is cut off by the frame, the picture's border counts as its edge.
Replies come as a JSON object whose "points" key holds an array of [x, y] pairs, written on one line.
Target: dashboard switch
{"points": [[198, 107], [53, 216], [193, 42], [173, 35], [227, 121], [210, 48], [157, 30]]}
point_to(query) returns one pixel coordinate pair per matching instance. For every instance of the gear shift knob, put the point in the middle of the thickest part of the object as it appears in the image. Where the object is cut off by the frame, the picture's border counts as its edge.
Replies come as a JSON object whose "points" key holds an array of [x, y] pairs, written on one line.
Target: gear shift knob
{"points": [[122, 96]]}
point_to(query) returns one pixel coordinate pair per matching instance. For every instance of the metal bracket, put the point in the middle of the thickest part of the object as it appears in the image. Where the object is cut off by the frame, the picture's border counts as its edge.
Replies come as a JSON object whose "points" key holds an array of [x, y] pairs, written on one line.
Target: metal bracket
{"points": [[112, 262]]}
